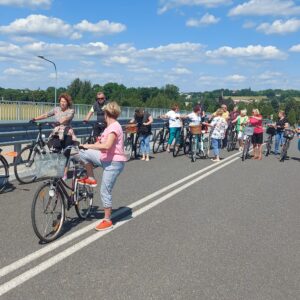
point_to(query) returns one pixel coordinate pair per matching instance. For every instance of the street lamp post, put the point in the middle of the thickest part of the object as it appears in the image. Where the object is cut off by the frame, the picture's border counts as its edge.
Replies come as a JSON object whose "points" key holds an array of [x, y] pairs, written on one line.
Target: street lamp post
{"points": [[55, 92]]}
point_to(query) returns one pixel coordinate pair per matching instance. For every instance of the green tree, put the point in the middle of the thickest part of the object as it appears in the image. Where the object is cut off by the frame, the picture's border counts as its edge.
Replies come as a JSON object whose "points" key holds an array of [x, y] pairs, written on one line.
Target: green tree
{"points": [[292, 117]]}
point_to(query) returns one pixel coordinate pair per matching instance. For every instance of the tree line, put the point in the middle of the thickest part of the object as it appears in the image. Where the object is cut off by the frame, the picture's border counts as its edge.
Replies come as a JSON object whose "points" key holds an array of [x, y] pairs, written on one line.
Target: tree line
{"points": [[84, 92]]}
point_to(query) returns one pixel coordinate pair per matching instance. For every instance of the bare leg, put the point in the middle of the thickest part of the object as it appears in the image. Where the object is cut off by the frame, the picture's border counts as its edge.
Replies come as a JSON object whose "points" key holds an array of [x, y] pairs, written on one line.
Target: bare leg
{"points": [[259, 151], [107, 213], [90, 170]]}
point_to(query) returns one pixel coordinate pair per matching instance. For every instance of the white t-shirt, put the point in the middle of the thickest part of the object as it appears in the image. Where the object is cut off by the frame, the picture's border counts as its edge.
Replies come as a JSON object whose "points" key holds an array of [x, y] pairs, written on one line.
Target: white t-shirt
{"points": [[194, 118], [174, 119]]}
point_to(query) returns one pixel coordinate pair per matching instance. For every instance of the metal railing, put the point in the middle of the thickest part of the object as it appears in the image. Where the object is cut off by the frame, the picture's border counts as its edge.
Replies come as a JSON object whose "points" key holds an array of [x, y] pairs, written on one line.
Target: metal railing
{"points": [[23, 111]]}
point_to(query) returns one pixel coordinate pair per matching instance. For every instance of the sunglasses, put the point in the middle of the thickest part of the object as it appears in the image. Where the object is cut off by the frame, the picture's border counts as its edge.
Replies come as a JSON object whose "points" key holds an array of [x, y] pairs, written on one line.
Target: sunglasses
{"points": [[101, 98]]}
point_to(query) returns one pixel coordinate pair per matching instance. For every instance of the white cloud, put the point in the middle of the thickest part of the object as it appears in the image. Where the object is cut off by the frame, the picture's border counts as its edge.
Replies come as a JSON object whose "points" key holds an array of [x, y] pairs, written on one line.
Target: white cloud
{"points": [[166, 5], [180, 52], [119, 60], [181, 71], [101, 28], [38, 25], [280, 27], [295, 48], [13, 72], [266, 7], [27, 3], [235, 78], [207, 19], [34, 25], [253, 52], [269, 75]]}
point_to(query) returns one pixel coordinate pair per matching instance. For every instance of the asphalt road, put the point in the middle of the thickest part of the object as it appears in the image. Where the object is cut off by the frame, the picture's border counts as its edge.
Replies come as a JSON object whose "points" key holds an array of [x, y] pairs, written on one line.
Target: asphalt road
{"points": [[228, 231]]}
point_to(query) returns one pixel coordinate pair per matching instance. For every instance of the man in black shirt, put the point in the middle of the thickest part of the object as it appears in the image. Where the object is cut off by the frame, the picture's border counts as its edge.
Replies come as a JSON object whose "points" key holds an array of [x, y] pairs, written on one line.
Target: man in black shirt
{"points": [[281, 124], [98, 109]]}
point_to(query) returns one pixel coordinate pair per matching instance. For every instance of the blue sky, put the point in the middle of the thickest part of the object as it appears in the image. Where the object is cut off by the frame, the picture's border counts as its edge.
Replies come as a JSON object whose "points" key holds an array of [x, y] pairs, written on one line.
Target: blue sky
{"points": [[195, 44]]}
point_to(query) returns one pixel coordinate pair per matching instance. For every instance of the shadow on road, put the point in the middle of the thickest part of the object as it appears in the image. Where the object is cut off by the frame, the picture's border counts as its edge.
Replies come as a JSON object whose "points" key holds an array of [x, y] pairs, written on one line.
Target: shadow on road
{"points": [[123, 213], [296, 158]]}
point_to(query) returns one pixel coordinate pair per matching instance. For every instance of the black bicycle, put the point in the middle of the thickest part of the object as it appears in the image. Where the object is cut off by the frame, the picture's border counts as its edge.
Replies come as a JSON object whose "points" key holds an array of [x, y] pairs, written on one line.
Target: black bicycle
{"points": [[160, 140], [24, 167], [182, 142], [131, 143], [231, 137], [52, 199], [97, 130], [288, 135], [4, 172], [269, 142]]}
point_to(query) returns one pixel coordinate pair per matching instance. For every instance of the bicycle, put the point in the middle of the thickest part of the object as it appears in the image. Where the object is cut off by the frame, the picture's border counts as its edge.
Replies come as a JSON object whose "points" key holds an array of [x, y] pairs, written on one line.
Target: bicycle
{"points": [[97, 127], [4, 172], [161, 139], [231, 138], [288, 134], [182, 143], [248, 133], [52, 199], [24, 167], [131, 143], [271, 132]]}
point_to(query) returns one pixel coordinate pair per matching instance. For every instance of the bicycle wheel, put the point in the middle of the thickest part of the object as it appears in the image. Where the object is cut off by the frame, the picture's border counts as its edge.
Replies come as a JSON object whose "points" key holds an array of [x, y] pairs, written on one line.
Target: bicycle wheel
{"points": [[165, 140], [187, 144], [246, 149], [137, 147], [84, 197], [158, 141], [194, 149], [268, 146], [24, 166], [283, 152], [3, 173], [47, 212], [229, 141], [205, 145], [176, 148], [128, 147]]}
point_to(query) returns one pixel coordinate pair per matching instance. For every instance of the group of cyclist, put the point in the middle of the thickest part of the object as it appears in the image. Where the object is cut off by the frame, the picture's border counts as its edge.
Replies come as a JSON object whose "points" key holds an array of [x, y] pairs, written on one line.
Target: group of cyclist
{"points": [[108, 149]]}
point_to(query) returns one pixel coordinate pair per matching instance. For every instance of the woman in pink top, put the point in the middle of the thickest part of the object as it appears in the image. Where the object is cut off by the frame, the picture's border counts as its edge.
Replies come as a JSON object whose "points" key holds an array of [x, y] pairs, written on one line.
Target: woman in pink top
{"points": [[257, 138], [107, 152]]}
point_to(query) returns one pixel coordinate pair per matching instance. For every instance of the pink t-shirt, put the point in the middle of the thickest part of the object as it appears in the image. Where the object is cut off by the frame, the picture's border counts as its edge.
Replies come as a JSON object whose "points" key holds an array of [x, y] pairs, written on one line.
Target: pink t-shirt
{"points": [[116, 152], [258, 128]]}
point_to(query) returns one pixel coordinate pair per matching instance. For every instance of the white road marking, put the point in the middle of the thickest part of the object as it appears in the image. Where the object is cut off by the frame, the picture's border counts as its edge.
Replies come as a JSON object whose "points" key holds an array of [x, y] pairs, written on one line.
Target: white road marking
{"points": [[37, 254], [13, 283]]}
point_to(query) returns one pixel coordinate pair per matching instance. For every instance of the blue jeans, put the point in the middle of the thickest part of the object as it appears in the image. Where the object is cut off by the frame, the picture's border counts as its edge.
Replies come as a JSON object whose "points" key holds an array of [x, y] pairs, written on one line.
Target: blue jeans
{"points": [[111, 170], [299, 143], [145, 144], [174, 133], [279, 140], [216, 145]]}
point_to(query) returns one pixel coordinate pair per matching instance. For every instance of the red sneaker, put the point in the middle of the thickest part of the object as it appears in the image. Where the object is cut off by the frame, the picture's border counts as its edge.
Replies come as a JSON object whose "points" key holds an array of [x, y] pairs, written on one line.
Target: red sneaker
{"points": [[88, 181], [104, 225]]}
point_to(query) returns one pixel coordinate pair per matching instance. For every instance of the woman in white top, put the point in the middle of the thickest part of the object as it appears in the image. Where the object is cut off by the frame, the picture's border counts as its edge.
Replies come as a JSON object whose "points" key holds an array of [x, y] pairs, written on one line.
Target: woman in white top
{"points": [[175, 124]]}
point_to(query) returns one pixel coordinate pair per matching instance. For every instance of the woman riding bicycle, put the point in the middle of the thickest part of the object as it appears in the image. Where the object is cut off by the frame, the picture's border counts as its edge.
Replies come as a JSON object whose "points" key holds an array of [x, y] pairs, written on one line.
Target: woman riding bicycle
{"points": [[62, 135], [108, 153]]}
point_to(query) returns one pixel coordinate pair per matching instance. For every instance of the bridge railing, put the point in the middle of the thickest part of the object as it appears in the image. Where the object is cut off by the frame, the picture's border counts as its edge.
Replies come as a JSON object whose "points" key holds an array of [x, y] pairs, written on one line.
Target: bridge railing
{"points": [[22, 111], [18, 134]]}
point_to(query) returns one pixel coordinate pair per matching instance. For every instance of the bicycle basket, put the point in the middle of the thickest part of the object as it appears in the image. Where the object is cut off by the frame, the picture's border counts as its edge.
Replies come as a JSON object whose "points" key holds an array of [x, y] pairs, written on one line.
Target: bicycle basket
{"points": [[271, 130], [249, 130], [131, 128], [195, 129], [50, 165], [288, 134]]}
